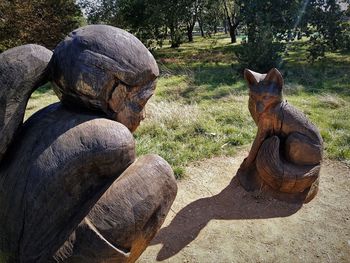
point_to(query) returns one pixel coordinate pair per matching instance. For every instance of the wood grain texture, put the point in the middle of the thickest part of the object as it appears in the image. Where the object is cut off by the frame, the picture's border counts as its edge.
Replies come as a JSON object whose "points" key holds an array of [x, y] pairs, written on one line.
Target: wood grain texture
{"points": [[61, 198], [58, 167], [288, 149], [126, 218], [22, 70], [107, 69]]}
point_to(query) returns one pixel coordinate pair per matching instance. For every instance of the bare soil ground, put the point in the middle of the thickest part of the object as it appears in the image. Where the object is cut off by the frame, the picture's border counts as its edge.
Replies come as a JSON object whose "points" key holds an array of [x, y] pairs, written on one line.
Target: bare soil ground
{"points": [[214, 220]]}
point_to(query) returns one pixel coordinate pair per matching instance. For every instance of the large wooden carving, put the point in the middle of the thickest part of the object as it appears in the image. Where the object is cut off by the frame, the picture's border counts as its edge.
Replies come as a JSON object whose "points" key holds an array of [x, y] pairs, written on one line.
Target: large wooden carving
{"points": [[71, 189], [286, 153]]}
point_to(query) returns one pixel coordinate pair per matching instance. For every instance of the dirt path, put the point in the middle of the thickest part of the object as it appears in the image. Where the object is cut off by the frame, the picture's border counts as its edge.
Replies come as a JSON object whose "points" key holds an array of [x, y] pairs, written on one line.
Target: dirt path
{"points": [[215, 221]]}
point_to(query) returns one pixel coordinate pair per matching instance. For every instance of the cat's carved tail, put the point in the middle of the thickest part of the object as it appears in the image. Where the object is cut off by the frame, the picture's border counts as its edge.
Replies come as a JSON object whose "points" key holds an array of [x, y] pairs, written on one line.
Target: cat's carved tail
{"points": [[281, 174]]}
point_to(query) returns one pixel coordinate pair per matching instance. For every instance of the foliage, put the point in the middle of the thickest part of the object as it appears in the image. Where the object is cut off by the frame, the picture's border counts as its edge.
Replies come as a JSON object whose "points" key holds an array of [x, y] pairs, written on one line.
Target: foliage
{"points": [[283, 19], [156, 19], [261, 55], [5, 257], [45, 22], [147, 19], [210, 16], [267, 24], [99, 11], [326, 28], [141, 17], [176, 14]]}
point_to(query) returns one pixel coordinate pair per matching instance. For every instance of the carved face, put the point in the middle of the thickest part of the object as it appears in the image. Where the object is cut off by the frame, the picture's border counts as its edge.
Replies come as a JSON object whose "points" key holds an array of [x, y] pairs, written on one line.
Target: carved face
{"points": [[100, 89], [264, 95], [106, 69], [265, 90], [126, 103]]}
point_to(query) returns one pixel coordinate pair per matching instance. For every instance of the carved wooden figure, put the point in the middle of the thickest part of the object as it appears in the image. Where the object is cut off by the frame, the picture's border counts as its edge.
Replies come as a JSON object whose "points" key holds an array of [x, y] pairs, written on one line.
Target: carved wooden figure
{"points": [[286, 154], [71, 188]]}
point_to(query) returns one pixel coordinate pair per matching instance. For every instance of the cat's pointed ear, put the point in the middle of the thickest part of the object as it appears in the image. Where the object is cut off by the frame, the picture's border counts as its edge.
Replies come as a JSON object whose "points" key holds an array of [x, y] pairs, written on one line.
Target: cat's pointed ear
{"points": [[251, 77], [275, 76]]}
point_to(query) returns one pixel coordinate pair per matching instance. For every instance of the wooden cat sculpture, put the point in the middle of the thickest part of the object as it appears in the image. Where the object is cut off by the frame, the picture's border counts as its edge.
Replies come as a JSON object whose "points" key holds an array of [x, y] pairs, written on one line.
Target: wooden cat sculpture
{"points": [[286, 153]]}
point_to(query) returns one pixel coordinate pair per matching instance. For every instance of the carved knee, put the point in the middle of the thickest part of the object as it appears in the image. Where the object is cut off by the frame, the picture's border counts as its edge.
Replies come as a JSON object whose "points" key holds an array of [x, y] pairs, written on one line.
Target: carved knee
{"points": [[127, 217]]}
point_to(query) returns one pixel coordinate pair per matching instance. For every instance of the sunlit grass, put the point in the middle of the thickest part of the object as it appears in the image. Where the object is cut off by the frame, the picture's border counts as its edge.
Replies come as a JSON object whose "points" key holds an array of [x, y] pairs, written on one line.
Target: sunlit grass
{"points": [[182, 132], [200, 106], [41, 98]]}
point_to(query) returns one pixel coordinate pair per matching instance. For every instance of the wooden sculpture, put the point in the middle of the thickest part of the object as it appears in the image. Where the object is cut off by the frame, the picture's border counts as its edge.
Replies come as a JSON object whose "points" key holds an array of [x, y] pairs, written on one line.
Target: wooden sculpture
{"points": [[71, 189], [286, 153]]}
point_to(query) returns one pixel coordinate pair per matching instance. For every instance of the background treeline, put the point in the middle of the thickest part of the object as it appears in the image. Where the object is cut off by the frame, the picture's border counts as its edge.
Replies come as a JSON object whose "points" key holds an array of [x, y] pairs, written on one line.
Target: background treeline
{"points": [[268, 26], [44, 22]]}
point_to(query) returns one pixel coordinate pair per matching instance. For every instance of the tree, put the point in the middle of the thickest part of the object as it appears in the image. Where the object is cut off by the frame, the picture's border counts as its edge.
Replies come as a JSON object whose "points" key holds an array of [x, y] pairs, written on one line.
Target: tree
{"points": [[44, 22], [101, 11], [267, 24], [212, 15], [232, 11], [192, 17], [147, 19], [142, 18], [326, 28], [176, 15]]}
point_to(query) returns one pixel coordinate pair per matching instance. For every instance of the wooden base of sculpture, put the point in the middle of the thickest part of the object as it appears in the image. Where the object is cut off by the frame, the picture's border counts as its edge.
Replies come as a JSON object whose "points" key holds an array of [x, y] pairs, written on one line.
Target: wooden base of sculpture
{"points": [[251, 182]]}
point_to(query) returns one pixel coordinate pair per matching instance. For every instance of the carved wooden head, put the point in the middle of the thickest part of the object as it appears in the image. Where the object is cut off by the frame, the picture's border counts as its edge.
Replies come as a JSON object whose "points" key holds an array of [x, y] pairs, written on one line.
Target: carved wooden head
{"points": [[265, 90], [106, 69]]}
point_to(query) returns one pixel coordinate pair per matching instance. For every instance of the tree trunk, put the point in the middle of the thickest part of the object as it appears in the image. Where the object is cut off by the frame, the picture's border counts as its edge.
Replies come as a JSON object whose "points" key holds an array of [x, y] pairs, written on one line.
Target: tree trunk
{"points": [[165, 31], [201, 27], [225, 27], [175, 38], [190, 32], [232, 22], [232, 30]]}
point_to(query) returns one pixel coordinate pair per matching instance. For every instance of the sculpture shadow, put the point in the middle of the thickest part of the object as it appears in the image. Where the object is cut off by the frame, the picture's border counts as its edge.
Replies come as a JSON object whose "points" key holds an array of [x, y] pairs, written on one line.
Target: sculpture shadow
{"points": [[232, 203]]}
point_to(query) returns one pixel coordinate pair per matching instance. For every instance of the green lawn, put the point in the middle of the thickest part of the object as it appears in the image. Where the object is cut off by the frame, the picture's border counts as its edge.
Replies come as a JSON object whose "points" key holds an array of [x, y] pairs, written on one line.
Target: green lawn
{"points": [[200, 106]]}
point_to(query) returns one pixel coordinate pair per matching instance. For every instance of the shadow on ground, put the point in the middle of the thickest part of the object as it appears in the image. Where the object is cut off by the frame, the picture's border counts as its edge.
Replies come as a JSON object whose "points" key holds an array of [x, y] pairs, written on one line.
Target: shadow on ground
{"points": [[232, 203]]}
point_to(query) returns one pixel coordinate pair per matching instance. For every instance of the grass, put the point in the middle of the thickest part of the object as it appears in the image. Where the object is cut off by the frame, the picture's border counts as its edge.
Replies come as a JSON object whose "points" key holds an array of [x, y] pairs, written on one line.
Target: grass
{"points": [[200, 106], [40, 98]]}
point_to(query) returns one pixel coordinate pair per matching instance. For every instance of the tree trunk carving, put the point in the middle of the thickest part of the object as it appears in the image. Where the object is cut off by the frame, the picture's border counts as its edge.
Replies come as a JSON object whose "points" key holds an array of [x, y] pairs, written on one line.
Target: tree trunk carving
{"points": [[286, 154], [70, 188]]}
